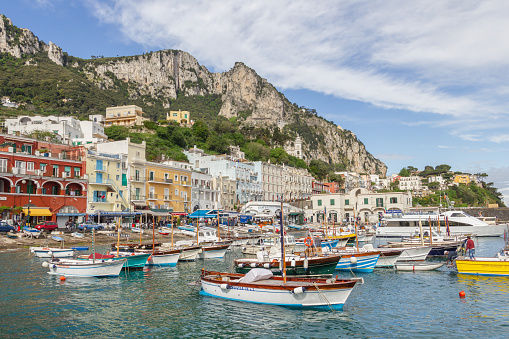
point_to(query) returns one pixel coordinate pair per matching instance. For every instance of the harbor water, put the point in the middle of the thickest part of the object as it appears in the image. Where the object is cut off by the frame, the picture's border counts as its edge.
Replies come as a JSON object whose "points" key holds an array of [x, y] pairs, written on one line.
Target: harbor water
{"points": [[160, 303]]}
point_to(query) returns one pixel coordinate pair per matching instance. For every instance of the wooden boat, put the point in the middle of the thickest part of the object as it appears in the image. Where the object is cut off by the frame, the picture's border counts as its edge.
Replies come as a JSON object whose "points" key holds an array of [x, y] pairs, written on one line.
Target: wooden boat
{"points": [[134, 261], [354, 261], [296, 266], [495, 266], [53, 252], [418, 266], [189, 253], [260, 286], [164, 231], [85, 268], [31, 232], [388, 258], [213, 251], [164, 258]]}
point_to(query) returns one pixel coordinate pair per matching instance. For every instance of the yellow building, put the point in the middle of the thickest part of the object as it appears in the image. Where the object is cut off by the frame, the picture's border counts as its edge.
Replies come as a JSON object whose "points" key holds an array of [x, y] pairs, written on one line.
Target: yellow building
{"points": [[131, 115], [107, 191], [168, 187], [462, 178], [182, 117]]}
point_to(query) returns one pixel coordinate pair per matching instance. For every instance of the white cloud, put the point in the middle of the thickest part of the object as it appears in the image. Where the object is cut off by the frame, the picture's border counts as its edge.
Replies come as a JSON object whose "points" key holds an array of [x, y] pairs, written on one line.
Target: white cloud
{"points": [[449, 58]]}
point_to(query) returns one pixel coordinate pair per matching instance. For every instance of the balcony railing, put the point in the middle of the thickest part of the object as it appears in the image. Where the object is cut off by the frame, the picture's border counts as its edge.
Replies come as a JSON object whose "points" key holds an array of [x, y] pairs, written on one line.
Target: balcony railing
{"points": [[152, 196], [99, 199]]}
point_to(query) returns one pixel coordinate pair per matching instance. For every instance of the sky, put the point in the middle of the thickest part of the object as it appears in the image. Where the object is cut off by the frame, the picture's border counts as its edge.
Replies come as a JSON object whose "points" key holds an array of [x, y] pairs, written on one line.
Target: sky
{"points": [[419, 82]]}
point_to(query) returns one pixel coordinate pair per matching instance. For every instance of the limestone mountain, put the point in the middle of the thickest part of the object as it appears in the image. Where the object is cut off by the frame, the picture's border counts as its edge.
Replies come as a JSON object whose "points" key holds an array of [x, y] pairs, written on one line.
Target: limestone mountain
{"points": [[155, 80]]}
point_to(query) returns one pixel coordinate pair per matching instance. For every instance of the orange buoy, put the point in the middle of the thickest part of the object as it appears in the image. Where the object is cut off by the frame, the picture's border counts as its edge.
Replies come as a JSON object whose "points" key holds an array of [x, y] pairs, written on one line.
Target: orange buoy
{"points": [[62, 278], [462, 294]]}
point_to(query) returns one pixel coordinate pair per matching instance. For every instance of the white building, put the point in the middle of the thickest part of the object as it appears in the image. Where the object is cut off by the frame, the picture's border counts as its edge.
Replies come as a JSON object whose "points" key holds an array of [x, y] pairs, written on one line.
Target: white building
{"points": [[204, 195], [359, 202], [68, 128], [439, 179], [243, 172], [412, 183]]}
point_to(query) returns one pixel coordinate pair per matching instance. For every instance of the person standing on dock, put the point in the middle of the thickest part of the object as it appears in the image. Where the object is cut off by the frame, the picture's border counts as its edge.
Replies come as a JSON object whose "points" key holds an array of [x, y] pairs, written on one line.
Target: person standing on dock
{"points": [[470, 248]]}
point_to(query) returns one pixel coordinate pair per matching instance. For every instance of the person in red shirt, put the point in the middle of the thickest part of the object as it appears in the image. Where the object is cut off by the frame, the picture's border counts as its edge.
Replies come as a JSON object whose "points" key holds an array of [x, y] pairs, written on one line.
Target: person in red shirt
{"points": [[470, 247]]}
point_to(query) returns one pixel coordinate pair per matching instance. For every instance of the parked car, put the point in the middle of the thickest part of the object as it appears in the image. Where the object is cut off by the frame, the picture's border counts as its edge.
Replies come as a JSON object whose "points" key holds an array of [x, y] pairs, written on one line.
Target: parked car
{"points": [[5, 227], [97, 227], [47, 225]]}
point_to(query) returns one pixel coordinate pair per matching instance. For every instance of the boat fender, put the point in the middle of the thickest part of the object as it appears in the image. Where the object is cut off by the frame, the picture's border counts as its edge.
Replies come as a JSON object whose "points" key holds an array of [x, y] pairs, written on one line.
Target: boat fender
{"points": [[54, 266], [45, 264], [253, 265], [274, 261], [240, 265], [306, 263], [50, 253], [353, 260], [299, 290], [224, 286], [293, 263], [266, 265]]}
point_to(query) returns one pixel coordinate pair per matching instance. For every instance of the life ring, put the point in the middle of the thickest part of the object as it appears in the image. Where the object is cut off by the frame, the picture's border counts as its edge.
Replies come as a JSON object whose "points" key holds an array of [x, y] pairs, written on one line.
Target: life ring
{"points": [[308, 241]]}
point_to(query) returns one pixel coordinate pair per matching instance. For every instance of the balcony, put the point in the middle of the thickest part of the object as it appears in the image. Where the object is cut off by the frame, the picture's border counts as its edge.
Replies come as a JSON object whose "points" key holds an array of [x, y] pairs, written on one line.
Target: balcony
{"points": [[168, 197], [135, 197], [138, 178], [152, 196], [99, 199]]}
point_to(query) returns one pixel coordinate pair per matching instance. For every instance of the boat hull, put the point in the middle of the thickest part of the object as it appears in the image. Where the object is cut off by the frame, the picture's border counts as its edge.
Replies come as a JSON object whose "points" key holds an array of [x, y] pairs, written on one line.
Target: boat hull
{"points": [[189, 254], [315, 266], [479, 231], [483, 266], [87, 268], [53, 253], [363, 262], [213, 252], [388, 258], [166, 259], [417, 266], [275, 292]]}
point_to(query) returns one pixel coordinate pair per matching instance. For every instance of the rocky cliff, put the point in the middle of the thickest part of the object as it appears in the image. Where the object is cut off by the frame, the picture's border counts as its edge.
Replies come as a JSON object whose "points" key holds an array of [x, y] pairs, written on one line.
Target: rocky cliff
{"points": [[162, 75]]}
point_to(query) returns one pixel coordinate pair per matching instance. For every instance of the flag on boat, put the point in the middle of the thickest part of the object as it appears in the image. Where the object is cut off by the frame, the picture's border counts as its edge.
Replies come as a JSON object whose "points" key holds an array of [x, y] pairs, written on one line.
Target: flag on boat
{"points": [[447, 230]]}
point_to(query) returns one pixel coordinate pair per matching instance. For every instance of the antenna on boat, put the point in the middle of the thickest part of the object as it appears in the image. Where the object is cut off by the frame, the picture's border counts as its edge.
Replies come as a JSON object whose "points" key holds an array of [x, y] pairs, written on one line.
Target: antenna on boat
{"points": [[283, 243]]}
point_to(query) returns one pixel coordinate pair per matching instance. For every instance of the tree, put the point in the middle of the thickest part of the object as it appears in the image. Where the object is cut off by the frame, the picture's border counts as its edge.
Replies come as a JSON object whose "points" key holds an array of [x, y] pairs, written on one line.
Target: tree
{"points": [[404, 172], [116, 132], [201, 131]]}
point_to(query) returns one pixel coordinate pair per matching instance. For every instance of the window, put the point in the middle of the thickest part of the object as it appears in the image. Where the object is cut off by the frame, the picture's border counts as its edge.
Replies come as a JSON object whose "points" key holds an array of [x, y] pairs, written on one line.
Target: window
{"points": [[174, 114], [319, 202], [3, 165], [176, 193], [67, 170], [99, 165], [76, 172], [137, 175], [379, 202], [347, 202], [176, 178], [55, 171], [394, 200], [30, 166], [151, 176], [117, 177], [332, 202], [118, 165], [366, 201], [55, 190]]}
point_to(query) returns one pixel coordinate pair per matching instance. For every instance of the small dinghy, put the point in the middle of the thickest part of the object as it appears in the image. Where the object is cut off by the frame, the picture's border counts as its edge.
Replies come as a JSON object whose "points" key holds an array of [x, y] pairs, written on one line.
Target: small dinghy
{"points": [[77, 235], [418, 266]]}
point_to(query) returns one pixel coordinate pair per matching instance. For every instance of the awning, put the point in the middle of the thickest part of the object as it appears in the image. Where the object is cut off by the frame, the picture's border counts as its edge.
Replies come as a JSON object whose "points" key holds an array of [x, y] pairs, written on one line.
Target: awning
{"points": [[178, 213], [68, 214], [159, 214], [38, 212]]}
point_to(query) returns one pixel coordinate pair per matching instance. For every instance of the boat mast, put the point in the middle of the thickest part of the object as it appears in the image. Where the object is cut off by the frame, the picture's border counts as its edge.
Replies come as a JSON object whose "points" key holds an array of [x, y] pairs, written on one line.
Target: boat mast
{"points": [[283, 243], [420, 231], [153, 236], [218, 231], [118, 237]]}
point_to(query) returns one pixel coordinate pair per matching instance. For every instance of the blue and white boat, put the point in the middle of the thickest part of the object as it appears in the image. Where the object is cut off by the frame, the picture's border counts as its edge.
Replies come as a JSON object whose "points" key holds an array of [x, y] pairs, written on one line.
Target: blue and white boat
{"points": [[357, 261]]}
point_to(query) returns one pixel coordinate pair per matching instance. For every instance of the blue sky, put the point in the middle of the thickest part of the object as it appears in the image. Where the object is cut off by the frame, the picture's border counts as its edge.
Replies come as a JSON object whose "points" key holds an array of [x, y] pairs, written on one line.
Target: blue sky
{"points": [[419, 82]]}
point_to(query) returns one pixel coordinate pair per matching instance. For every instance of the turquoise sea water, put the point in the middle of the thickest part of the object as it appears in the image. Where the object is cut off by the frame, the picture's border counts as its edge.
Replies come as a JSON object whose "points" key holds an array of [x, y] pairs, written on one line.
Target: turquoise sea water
{"points": [[159, 303]]}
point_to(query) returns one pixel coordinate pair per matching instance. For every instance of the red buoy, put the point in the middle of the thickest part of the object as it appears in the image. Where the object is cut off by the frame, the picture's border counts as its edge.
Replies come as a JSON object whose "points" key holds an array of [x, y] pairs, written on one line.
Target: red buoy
{"points": [[62, 278], [462, 294]]}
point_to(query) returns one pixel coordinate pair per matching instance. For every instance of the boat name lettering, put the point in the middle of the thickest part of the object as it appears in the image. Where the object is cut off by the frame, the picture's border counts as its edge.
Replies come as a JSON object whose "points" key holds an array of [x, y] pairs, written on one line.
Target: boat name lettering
{"points": [[241, 288]]}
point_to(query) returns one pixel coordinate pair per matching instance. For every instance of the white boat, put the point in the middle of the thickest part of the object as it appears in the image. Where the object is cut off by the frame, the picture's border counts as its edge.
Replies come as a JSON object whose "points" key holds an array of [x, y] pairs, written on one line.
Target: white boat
{"points": [[213, 251], [85, 268], [77, 235], [460, 223], [418, 266], [49, 252], [164, 258], [188, 253], [261, 287], [31, 232], [164, 231]]}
